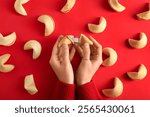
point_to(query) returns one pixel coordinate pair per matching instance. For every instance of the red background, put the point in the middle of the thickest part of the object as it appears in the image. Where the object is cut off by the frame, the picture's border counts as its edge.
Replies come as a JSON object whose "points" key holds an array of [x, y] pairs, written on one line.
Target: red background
{"points": [[120, 26]]}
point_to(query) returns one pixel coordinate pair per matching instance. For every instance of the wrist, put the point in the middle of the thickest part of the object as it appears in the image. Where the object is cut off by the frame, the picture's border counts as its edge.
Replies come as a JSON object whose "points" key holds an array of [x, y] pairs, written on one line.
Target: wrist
{"points": [[82, 82], [67, 81]]}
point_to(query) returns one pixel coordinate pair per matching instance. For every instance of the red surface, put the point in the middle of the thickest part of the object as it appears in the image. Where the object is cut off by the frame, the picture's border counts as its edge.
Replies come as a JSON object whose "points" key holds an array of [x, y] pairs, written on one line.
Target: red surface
{"points": [[120, 27]]}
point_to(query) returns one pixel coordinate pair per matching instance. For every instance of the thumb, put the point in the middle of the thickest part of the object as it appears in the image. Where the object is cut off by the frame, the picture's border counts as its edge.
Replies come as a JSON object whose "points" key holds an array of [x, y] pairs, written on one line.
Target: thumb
{"points": [[86, 51], [72, 53], [65, 53]]}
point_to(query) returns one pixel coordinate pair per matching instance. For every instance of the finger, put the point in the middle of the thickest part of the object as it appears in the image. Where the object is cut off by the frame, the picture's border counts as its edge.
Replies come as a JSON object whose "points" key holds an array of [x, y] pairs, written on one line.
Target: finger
{"points": [[99, 52], [64, 53], [93, 50], [86, 51], [98, 46], [54, 57], [79, 50], [60, 52], [72, 53], [55, 47]]}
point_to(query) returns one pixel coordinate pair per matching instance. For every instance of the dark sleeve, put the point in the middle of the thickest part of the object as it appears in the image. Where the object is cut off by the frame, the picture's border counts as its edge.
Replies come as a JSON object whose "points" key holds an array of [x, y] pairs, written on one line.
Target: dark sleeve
{"points": [[64, 91], [88, 91]]}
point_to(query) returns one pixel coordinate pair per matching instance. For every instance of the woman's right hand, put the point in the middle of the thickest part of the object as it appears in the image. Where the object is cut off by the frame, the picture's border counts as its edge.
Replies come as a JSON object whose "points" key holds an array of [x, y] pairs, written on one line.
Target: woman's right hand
{"points": [[91, 61]]}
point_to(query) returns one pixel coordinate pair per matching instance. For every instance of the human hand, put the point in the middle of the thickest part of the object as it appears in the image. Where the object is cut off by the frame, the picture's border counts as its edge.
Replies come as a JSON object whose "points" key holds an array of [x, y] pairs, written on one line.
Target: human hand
{"points": [[60, 62], [91, 60]]}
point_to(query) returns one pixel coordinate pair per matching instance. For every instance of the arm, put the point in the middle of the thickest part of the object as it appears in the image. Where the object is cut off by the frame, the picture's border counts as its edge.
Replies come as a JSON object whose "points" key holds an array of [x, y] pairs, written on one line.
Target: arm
{"points": [[90, 63], [64, 91], [88, 91], [60, 63]]}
